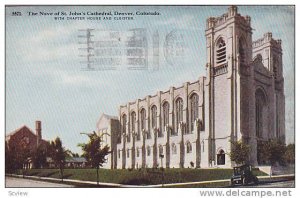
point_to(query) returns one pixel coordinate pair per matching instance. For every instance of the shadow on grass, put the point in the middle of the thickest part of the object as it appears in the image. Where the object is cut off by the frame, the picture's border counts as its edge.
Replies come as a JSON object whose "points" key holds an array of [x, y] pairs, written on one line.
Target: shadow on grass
{"points": [[32, 174], [49, 174], [137, 181], [66, 176]]}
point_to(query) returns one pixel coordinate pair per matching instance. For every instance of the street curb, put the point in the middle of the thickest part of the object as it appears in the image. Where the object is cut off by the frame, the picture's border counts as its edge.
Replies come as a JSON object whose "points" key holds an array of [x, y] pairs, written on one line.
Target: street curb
{"points": [[275, 178]]}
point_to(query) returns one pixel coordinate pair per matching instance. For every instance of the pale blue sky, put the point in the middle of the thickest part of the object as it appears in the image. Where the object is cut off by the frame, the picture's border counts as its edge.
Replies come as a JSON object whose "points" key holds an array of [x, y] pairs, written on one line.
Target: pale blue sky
{"points": [[44, 79]]}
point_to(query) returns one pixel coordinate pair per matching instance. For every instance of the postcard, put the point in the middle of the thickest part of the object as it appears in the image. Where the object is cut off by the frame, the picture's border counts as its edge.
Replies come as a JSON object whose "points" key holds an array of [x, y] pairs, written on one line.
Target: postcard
{"points": [[150, 96]]}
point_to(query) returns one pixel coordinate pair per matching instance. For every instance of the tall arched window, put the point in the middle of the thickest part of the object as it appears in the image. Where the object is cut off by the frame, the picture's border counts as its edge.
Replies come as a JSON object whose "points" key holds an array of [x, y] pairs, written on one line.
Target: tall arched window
{"points": [[143, 122], [221, 51], [143, 119], [189, 147], [242, 51], [165, 114], [174, 149], [275, 67], [124, 121], [179, 112], [133, 120], [153, 116], [194, 109]]}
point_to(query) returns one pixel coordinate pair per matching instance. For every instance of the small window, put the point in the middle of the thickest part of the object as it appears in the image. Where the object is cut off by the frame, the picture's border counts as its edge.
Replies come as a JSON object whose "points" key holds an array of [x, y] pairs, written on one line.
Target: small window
{"points": [[128, 153], [159, 133], [160, 150], [188, 147], [174, 149], [119, 154], [148, 135], [137, 152], [221, 157], [148, 151]]}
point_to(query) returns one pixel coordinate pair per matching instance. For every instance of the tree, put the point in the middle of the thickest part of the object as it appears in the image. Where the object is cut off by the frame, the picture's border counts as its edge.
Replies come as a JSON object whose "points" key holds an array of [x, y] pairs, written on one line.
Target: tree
{"points": [[8, 159], [271, 152], [16, 156], [94, 154], [239, 152], [39, 157], [58, 154], [290, 154]]}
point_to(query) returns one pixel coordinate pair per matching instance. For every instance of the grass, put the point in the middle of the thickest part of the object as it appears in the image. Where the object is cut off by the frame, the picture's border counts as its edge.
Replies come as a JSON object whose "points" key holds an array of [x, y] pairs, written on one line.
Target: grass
{"points": [[137, 177]]}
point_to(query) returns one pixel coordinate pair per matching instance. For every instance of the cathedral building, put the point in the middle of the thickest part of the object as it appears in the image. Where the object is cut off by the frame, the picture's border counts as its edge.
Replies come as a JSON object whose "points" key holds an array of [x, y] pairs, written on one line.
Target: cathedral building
{"points": [[192, 126]]}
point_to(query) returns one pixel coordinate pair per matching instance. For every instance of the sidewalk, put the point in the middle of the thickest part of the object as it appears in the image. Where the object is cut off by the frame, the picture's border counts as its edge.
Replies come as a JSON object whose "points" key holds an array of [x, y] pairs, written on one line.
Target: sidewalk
{"points": [[103, 184]]}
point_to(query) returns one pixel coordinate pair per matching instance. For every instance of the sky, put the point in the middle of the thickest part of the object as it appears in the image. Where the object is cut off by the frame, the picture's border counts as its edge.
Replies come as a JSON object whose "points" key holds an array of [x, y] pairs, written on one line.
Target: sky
{"points": [[47, 80]]}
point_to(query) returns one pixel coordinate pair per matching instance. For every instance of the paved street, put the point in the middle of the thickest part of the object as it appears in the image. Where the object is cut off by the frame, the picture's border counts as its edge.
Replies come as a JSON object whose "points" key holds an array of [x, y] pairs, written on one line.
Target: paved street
{"points": [[25, 183], [284, 184], [281, 184]]}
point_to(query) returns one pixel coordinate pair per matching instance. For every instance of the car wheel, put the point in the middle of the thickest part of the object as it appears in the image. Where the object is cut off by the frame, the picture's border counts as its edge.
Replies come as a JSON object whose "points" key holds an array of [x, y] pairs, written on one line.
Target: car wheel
{"points": [[244, 181], [231, 183], [255, 180]]}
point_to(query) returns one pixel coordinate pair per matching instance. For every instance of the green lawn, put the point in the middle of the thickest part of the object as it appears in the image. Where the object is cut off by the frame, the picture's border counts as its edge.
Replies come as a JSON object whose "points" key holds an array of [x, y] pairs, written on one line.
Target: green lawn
{"points": [[137, 177]]}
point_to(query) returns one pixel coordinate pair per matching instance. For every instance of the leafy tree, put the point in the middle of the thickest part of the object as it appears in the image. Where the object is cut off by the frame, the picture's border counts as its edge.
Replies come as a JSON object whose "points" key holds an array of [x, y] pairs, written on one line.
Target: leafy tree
{"points": [[39, 157], [290, 154], [239, 152], [58, 154], [271, 152], [8, 159], [94, 154]]}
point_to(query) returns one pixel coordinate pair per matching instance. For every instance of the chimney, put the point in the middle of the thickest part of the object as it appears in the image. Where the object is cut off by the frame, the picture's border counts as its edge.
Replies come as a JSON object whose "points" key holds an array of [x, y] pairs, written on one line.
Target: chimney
{"points": [[38, 129]]}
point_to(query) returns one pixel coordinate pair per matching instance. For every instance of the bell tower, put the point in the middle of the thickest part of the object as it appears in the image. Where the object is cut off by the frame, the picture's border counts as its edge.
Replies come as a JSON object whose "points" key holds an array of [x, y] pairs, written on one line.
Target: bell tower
{"points": [[229, 55]]}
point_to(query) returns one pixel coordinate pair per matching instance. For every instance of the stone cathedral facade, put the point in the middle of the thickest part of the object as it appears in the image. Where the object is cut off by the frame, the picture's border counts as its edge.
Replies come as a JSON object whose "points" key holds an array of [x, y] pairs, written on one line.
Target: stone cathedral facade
{"points": [[191, 126]]}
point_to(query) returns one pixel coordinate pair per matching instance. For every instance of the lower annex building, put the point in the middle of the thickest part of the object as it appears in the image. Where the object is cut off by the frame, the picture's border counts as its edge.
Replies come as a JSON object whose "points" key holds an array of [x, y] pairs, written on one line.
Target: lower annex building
{"points": [[241, 98]]}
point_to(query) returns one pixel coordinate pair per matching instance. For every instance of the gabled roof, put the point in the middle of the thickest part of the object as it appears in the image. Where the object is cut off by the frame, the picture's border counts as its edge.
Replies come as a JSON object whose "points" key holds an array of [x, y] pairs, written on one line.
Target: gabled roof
{"points": [[104, 120], [19, 129]]}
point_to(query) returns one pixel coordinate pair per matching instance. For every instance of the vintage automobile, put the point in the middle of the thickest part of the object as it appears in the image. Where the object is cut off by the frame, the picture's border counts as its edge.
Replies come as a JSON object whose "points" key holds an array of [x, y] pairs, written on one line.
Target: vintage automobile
{"points": [[243, 175]]}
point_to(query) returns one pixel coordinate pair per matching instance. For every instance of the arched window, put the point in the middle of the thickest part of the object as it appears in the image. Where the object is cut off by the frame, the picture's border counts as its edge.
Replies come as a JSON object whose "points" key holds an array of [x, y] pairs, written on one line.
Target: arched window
{"points": [[137, 152], [143, 123], [275, 67], [174, 149], [133, 120], [194, 109], [165, 114], [143, 119], [242, 51], [160, 150], [221, 157], [221, 51], [188, 147], [124, 121], [179, 112], [153, 116], [148, 151]]}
